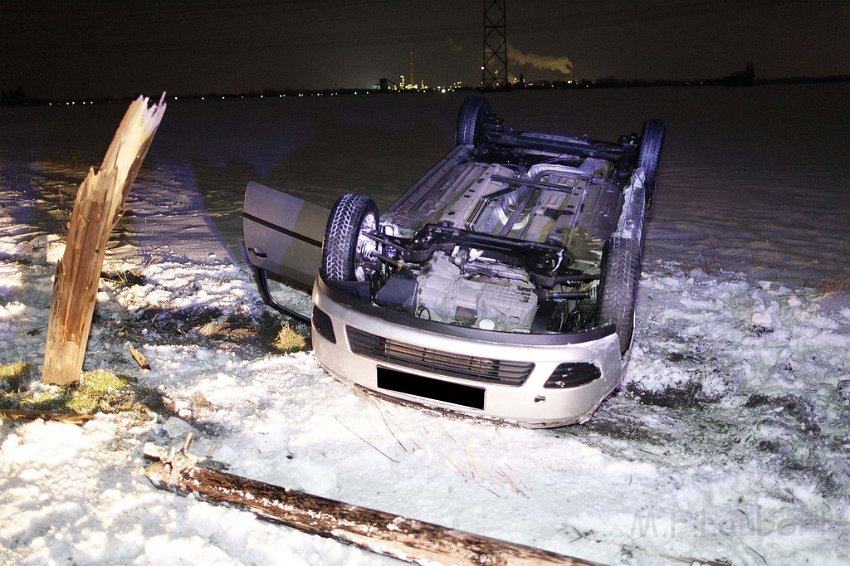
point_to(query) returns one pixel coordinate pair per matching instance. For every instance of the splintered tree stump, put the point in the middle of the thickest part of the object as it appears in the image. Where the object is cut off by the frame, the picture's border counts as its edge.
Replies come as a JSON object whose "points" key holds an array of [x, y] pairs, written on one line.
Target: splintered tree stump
{"points": [[97, 208], [377, 531]]}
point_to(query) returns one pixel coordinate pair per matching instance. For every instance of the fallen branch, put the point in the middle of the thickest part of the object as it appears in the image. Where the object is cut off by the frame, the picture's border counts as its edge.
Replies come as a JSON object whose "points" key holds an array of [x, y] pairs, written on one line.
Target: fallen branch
{"points": [[377, 531], [30, 415]]}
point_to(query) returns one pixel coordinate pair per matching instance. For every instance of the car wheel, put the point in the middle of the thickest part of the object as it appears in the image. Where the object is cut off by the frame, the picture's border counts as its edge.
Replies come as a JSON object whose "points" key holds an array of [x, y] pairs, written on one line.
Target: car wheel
{"points": [[348, 254], [470, 120], [615, 305], [651, 140]]}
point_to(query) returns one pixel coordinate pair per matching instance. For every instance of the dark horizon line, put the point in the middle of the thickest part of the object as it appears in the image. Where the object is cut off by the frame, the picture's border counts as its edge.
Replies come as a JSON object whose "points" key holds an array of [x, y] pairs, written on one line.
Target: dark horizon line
{"points": [[16, 97]]}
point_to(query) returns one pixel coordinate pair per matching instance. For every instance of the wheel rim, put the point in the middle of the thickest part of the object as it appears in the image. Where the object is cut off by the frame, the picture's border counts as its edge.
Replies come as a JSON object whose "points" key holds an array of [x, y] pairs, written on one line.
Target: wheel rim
{"points": [[366, 248]]}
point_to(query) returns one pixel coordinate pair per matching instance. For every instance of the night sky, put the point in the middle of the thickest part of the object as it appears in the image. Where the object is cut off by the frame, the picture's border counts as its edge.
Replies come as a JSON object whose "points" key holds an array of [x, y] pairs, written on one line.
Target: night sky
{"points": [[87, 48]]}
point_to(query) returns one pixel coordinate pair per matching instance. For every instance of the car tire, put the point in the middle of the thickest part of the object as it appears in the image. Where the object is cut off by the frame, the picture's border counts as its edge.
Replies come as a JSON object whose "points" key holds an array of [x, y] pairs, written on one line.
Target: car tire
{"points": [[621, 260], [651, 141], [470, 120], [347, 253]]}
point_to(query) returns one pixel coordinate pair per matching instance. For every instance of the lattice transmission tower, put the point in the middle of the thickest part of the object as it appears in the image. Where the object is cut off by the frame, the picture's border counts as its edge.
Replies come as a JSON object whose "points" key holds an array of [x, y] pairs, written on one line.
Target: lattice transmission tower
{"points": [[494, 61]]}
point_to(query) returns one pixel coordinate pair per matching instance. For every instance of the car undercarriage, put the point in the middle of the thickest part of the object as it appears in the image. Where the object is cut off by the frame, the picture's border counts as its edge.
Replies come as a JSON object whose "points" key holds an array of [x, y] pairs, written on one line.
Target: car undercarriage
{"points": [[512, 233]]}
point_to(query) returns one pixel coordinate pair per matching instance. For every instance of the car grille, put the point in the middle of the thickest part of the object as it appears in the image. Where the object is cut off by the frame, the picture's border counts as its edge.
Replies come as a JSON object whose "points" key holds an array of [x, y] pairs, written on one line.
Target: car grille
{"points": [[435, 361]]}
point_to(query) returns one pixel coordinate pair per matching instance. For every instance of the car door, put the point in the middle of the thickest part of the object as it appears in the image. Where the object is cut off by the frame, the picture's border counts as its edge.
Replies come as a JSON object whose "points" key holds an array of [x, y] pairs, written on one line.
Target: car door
{"points": [[283, 234]]}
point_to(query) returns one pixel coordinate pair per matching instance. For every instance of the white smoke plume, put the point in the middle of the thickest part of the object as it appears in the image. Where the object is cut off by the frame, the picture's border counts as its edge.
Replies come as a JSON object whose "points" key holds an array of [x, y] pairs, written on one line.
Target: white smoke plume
{"points": [[544, 62]]}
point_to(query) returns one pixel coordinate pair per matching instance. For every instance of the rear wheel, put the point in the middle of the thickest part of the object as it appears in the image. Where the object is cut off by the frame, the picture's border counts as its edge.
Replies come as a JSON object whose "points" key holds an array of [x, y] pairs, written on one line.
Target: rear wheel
{"points": [[348, 253], [651, 141], [618, 287], [470, 120]]}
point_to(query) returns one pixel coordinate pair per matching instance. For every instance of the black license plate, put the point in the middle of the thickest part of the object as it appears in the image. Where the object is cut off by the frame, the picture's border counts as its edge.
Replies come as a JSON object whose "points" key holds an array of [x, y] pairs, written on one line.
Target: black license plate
{"points": [[429, 388]]}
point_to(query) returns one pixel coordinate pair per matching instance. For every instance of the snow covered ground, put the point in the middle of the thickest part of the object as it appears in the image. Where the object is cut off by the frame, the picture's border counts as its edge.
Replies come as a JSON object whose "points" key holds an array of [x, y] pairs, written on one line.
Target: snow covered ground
{"points": [[728, 440]]}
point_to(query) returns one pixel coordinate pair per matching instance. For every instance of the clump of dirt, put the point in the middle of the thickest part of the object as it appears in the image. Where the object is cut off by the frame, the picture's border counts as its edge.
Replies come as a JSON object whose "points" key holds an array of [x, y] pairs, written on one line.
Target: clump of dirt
{"points": [[757, 400], [177, 323], [795, 438], [16, 260], [123, 279], [689, 395], [624, 428], [758, 330], [784, 408], [208, 327], [678, 357]]}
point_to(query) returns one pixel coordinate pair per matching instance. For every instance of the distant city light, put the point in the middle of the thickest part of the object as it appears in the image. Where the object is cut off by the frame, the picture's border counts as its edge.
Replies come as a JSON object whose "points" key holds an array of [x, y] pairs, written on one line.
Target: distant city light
{"points": [[382, 86]]}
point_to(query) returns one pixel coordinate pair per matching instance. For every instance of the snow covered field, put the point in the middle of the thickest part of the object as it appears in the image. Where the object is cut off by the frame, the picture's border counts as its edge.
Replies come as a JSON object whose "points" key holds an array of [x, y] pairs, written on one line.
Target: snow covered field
{"points": [[728, 441]]}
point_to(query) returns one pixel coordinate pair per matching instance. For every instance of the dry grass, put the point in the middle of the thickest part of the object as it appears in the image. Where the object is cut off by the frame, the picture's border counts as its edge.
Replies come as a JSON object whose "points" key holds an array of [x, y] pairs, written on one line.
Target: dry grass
{"points": [[16, 376], [288, 340], [214, 328], [97, 390], [224, 331], [837, 284]]}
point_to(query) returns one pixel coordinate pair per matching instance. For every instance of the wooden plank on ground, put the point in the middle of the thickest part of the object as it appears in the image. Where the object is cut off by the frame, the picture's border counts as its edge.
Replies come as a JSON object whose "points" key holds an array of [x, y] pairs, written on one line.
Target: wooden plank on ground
{"points": [[377, 531]]}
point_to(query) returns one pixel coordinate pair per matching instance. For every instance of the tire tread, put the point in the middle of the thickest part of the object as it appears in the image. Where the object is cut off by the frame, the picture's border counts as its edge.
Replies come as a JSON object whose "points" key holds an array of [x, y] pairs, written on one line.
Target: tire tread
{"points": [[341, 235], [469, 120], [621, 261], [651, 142]]}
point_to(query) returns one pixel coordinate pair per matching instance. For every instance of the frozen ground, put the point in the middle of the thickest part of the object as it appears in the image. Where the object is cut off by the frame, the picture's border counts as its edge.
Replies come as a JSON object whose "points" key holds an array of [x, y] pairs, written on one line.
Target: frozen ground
{"points": [[728, 441]]}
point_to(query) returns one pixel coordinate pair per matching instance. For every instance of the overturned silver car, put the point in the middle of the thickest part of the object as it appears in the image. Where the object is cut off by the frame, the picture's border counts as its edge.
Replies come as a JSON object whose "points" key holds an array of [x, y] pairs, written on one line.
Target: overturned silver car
{"points": [[502, 284]]}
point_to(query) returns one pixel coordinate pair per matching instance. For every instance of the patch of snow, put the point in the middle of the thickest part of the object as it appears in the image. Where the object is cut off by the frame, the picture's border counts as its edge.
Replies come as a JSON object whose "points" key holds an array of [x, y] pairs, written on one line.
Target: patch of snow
{"points": [[727, 441]]}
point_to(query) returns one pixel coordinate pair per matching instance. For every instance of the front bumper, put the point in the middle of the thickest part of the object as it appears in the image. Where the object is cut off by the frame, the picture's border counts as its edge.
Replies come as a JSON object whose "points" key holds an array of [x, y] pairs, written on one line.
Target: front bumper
{"points": [[476, 372]]}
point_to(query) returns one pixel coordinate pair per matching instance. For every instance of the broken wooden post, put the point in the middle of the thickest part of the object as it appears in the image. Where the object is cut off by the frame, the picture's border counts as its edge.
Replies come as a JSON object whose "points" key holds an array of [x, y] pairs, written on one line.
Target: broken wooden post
{"points": [[377, 531], [97, 208]]}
